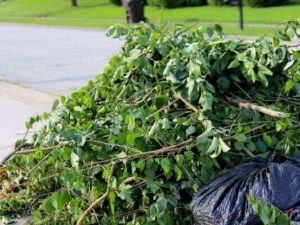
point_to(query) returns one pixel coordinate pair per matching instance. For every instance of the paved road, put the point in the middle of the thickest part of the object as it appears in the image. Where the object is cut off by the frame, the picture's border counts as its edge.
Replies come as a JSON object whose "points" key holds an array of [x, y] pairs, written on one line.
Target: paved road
{"points": [[53, 59]]}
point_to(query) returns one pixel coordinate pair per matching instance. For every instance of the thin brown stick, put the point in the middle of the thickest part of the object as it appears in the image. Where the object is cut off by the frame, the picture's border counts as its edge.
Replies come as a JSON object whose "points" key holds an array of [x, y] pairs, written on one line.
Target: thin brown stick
{"points": [[29, 151], [99, 200], [245, 93], [165, 150], [39, 163], [161, 109], [247, 105], [250, 154], [188, 104]]}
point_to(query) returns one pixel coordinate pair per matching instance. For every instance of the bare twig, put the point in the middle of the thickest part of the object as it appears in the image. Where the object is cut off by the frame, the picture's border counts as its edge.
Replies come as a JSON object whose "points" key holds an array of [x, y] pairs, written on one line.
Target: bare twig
{"points": [[188, 104], [165, 150], [40, 162], [29, 151], [247, 105], [99, 200], [250, 154], [161, 109], [248, 96]]}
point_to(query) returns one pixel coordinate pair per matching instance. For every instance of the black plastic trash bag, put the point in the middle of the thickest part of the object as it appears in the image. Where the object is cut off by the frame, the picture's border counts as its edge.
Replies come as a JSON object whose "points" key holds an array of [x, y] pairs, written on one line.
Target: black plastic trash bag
{"points": [[223, 201], [294, 214]]}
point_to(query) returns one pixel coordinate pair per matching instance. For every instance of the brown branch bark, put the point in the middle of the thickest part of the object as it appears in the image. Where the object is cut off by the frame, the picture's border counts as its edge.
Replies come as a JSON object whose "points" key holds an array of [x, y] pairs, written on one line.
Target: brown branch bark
{"points": [[188, 104], [250, 154], [247, 105], [99, 200], [29, 151], [174, 148], [161, 109]]}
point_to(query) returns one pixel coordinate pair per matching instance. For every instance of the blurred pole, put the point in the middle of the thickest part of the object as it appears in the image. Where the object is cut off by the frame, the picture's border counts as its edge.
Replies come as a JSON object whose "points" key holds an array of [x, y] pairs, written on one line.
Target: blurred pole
{"points": [[240, 5]]}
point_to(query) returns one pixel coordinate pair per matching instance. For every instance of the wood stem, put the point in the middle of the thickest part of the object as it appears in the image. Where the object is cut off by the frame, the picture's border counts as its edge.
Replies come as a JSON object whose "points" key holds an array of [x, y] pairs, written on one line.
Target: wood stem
{"points": [[99, 200], [174, 148], [247, 105], [188, 104]]}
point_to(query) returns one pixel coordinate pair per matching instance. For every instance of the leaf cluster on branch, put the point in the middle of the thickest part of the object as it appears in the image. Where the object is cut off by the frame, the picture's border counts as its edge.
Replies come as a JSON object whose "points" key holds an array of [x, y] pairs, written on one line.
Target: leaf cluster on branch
{"points": [[174, 108]]}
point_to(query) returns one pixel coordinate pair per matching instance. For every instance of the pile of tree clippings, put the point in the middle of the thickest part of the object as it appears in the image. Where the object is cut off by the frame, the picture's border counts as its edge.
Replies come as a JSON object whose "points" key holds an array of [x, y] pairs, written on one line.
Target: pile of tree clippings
{"points": [[175, 107]]}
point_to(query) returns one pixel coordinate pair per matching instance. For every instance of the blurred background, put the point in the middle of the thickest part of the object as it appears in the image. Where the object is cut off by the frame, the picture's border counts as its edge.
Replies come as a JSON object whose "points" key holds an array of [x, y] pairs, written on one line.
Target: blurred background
{"points": [[259, 15]]}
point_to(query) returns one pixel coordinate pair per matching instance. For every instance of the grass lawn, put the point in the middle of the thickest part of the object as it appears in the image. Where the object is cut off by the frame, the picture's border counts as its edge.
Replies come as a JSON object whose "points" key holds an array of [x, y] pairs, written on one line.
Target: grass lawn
{"points": [[100, 13]]}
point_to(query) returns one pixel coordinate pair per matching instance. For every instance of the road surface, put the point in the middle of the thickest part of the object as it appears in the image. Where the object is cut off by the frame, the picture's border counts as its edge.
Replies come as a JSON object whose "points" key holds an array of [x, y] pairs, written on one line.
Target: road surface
{"points": [[53, 59]]}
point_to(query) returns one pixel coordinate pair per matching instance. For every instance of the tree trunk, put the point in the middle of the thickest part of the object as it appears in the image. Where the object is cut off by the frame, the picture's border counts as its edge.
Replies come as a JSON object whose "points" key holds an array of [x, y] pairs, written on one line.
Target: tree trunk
{"points": [[74, 3]]}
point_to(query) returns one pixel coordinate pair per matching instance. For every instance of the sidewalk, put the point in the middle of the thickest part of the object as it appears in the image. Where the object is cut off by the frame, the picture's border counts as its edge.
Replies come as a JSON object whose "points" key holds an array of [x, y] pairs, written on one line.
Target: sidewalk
{"points": [[17, 105]]}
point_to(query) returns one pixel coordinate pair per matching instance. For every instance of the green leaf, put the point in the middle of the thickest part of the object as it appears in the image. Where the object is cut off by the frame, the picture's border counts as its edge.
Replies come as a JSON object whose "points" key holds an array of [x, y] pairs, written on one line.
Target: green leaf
{"points": [[161, 206], [289, 85], [269, 215], [37, 216], [161, 100], [6, 220], [225, 147], [265, 214], [88, 101], [206, 100], [216, 153], [125, 193], [223, 83], [55, 104], [166, 165], [234, 64], [282, 219], [194, 68], [130, 121], [268, 140], [95, 192], [296, 55], [178, 173], [75, 160], [130, 139], [47, 207], [276, 41], [214, 145], [241, 138], [112, 202], [190, 130], [239, 145], [60, 199], [207, 133], [153, 212], [203, 145]]}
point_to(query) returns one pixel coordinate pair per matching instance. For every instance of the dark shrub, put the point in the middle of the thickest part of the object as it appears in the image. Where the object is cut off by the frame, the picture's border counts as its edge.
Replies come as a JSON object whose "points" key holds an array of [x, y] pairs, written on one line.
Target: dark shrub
{"points": [[116, 2], [215, 2], [263, 3], [166, 3], [195, 2], [175, 3]]}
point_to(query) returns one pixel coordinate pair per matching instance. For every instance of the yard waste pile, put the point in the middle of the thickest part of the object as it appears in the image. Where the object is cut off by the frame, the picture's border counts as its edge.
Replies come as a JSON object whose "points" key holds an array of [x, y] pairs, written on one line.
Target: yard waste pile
{"points": [[171, 111], [274, 182]]}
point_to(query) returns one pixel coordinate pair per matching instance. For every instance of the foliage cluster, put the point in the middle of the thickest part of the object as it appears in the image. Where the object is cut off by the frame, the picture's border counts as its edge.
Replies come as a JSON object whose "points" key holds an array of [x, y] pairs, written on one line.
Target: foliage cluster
{"points": [[263, 3], [177, 3], [215, 2], [134, 145], [269, 215], [116, 2], [181, 3]]}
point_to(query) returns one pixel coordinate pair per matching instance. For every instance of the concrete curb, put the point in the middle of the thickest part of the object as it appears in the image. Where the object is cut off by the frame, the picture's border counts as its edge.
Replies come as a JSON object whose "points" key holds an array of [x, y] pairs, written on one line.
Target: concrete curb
{"points": [[17, 105]]}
